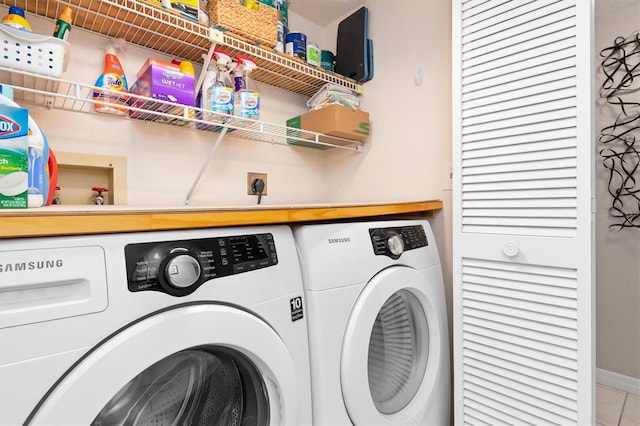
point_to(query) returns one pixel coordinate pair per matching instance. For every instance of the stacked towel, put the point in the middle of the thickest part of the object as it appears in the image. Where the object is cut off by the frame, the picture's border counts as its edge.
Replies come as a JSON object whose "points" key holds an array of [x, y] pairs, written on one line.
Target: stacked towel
{"points": [[332, 94]]}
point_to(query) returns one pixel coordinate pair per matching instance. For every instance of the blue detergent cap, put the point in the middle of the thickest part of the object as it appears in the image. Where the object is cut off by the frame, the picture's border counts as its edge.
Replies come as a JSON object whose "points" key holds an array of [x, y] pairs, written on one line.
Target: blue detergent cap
{"points": [[15, 10]]}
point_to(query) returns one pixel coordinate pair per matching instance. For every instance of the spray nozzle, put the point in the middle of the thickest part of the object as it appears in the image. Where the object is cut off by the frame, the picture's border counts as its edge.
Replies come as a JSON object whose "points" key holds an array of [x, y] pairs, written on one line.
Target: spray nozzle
{"points": [[234, 66], [247, 63], [221, 57], [115, 45]]}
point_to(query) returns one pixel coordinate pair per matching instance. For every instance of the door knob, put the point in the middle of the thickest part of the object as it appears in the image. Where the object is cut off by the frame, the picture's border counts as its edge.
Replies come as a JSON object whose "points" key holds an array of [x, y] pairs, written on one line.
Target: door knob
{"points": [[510, 249]]}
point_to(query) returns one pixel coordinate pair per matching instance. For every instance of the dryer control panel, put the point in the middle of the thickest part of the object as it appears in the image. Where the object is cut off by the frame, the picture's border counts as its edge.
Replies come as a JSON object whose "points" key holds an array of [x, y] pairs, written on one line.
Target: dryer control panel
{"points": [[180, 267], [392, 242]]}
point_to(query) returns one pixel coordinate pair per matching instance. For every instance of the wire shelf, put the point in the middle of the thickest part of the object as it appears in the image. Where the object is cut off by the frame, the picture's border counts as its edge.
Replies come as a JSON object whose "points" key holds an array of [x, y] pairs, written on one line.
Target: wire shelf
{"points": [[72, 96], [161, 30]]}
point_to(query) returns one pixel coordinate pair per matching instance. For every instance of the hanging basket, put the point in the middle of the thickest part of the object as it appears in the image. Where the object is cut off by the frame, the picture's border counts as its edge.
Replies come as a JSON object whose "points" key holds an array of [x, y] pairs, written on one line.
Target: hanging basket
{"points": [[35, 53]]}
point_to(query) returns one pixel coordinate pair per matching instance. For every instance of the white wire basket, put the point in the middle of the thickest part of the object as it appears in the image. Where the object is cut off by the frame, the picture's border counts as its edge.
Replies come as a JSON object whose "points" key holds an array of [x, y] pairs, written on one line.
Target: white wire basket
{"points": [[26, 51]]}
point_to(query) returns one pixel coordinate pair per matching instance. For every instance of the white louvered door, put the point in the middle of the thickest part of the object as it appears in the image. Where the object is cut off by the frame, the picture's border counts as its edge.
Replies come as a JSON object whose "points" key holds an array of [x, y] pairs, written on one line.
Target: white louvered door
{"points": [[522, 215]]}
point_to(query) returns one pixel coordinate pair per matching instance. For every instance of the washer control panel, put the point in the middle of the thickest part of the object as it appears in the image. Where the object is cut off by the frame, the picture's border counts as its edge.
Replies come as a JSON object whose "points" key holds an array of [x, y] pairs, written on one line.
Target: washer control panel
{"points": [[180, 267], [392, 242]]}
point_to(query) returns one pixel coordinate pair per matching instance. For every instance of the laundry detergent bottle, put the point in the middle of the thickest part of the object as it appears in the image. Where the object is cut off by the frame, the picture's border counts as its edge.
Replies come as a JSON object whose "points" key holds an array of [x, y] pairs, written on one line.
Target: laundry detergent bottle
{"points": [[112, 88], [16, 19], [63, 24], [38, 157]]}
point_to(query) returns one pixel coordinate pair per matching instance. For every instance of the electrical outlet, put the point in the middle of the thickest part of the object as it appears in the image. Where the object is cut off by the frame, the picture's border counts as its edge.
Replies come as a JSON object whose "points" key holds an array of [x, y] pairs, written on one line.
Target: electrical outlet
{"points": [[251, 176]]}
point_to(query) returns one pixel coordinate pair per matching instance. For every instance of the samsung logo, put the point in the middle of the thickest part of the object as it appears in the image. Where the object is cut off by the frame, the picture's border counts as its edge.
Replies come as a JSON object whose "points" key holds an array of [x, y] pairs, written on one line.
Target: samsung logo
{"points": [[339, 240], [30, 266]]}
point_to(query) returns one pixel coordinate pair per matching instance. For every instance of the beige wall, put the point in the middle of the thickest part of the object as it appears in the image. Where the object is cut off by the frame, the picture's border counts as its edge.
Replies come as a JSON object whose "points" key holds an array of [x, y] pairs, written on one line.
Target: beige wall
{"points": [[163, 161], [618, 253], [407, 156]]}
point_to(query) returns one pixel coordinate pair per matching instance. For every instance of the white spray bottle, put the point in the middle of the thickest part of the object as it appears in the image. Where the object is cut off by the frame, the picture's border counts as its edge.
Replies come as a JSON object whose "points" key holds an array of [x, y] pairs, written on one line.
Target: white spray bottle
{"points": [[249, 99], [208, 81], [221, 93]]}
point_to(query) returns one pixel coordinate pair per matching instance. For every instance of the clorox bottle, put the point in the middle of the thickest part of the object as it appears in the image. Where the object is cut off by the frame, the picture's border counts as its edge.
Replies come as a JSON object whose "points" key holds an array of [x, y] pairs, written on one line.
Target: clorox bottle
{"points": [[37, 157], [113, 79], [221, 92], [248, 98]]}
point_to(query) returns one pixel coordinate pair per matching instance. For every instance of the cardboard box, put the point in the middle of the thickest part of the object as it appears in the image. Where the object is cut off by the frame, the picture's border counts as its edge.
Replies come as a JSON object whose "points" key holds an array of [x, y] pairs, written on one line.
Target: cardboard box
{"points": [[332, 120], [14, 161], [164, 81]]}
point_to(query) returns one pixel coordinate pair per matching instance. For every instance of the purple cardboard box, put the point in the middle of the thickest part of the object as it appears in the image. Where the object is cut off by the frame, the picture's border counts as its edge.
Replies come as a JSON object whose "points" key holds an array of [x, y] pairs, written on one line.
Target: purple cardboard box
{"points": [[164, 81]]}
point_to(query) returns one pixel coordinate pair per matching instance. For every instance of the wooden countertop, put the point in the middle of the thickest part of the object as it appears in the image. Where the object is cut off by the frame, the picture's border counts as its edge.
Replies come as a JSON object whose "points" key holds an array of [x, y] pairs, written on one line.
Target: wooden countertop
{"points": [[80, 220]]}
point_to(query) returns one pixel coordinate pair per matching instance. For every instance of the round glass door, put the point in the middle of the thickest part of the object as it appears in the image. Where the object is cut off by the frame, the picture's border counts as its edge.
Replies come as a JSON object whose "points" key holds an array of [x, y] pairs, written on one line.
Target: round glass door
{"points": [[202, 386], [233, 368], [393, 349], [398, 352]]}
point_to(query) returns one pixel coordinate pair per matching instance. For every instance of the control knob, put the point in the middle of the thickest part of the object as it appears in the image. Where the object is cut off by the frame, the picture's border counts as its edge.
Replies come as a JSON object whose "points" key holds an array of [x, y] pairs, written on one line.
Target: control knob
{"points": [[395, 245], [182, 271]]}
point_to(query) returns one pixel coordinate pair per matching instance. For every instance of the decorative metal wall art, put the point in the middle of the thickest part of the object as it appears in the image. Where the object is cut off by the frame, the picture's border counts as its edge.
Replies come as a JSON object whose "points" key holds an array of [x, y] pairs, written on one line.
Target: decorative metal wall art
{"points": [[621, 139]]}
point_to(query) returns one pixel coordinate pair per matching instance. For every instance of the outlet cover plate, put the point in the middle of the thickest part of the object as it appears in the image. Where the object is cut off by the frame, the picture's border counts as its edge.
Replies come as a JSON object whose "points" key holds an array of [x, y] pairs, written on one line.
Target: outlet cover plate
{"points": [[251, 176]]}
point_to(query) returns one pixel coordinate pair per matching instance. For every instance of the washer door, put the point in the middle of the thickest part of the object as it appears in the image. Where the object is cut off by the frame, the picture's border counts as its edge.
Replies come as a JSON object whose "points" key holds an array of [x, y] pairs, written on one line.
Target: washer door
{"points": [[393, 348], [199, 386], [196, 364]]}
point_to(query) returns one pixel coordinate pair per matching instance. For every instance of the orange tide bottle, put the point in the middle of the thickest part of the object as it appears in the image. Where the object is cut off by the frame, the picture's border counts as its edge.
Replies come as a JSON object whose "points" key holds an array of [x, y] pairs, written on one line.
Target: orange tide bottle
{"points": [[111, 94]]}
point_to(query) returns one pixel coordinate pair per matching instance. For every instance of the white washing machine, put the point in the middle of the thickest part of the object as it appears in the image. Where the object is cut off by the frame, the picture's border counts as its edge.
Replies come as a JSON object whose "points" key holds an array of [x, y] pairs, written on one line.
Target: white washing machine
{"points": [[377, 323], [183, 327]]}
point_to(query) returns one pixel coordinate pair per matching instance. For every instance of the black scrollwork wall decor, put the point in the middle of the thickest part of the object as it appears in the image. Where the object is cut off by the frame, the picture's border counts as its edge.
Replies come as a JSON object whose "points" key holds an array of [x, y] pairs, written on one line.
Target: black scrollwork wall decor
{"points": [[621, 139]]}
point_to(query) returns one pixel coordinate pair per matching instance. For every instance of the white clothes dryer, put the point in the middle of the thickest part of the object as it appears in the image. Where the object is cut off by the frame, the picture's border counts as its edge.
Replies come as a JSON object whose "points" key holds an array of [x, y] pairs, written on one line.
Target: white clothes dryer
{"points": [[377, 323], [197, 327]]}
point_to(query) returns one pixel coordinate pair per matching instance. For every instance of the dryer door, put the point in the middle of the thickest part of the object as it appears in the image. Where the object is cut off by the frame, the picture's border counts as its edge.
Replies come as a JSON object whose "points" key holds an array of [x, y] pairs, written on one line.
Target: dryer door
{"points": [[195, 364], [396, 346]]}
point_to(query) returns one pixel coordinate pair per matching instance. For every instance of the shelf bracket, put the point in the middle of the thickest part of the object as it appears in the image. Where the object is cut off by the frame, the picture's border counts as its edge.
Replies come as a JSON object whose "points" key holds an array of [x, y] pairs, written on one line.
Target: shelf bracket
{"points": [[187, 199], [205, 67]]}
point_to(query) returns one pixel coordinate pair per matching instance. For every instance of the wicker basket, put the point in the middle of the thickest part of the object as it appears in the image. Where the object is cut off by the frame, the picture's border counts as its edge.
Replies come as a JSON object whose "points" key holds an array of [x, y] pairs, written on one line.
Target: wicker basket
{"points": [[256, 25]]}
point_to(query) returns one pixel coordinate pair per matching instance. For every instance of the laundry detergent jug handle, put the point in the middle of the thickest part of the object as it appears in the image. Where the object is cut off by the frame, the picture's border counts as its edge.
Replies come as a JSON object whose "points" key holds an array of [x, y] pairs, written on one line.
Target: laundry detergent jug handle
{"points": [[53, 176], [38, 176]]}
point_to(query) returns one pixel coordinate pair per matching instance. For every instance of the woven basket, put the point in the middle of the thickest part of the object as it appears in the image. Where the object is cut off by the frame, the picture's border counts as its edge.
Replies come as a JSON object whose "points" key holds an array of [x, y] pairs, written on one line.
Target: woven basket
{"points": [[256, 25]]}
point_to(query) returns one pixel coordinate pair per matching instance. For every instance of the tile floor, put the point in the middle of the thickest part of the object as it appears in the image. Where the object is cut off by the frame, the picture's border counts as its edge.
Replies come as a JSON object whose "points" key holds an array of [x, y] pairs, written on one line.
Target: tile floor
{"points": [[616, 408]]}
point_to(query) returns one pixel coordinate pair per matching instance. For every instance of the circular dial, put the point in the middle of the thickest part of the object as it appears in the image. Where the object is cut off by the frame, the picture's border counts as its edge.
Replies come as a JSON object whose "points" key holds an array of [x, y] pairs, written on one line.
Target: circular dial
{"points": [[182, 271], [395, 245]]}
